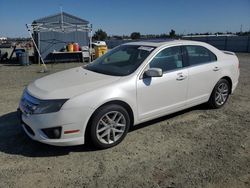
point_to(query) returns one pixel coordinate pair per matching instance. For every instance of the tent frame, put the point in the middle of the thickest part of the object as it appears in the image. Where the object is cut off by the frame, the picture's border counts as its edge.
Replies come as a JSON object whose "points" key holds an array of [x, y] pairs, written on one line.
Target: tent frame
{"points": [[61, 26]]}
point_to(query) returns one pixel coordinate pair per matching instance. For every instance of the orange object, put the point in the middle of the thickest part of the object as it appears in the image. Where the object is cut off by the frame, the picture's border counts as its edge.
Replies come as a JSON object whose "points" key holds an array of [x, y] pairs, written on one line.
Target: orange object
{"points": [[76, 47], [100, 50], [70, 47]]}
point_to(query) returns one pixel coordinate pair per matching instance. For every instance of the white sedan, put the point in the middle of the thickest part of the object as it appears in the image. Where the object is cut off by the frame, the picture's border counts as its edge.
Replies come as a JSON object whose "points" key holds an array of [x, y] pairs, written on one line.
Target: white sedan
{"points": [[131, 84]]}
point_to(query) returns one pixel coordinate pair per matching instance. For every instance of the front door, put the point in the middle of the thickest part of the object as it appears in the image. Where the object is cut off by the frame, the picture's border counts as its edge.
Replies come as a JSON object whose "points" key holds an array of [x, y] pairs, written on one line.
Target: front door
{"points": [[158, 96]]}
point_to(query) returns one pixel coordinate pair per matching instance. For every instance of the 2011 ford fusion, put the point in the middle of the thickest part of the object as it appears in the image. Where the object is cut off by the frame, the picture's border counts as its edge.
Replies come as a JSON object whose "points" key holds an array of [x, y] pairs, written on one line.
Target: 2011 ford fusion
{"points": [[131, 84]]}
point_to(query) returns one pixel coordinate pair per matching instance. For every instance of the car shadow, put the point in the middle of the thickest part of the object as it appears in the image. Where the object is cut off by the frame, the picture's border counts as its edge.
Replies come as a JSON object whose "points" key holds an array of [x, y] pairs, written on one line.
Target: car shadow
{"points": [[14, 141], [163, 118]]}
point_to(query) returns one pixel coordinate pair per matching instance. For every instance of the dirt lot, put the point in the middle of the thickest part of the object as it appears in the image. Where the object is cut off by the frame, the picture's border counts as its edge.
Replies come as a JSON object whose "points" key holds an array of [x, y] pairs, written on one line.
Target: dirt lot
{"points": [[197, 147]]}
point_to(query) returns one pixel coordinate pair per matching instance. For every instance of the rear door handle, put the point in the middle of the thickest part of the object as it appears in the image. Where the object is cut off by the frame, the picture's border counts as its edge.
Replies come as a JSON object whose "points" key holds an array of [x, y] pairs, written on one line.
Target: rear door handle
{"points": [[181, 77], [216, 68]]}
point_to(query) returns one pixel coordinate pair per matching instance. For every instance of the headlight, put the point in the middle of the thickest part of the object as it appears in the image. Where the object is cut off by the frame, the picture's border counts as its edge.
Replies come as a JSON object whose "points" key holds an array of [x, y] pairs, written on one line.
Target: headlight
{"points": [[33, 105], [49, 106]]}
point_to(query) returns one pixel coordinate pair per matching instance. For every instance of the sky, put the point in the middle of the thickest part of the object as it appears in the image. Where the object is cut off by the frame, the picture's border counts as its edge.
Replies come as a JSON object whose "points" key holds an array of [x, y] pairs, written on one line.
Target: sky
{"points": [[118, 17]]}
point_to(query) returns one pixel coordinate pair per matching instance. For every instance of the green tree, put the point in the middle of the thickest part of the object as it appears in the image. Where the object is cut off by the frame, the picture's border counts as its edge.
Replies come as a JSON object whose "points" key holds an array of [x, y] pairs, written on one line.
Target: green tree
{"points": [[100, 35], [172, 33], [135, 35]]}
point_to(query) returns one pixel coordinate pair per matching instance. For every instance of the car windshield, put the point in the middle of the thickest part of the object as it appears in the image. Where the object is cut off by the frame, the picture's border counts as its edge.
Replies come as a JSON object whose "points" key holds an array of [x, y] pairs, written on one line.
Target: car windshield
{"points": [[121, 61]]}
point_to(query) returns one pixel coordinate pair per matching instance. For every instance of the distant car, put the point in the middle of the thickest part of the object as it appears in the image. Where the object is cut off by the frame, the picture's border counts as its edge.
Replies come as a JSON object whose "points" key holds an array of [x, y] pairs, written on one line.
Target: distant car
{"points": [[131, 84], [99, 43]]}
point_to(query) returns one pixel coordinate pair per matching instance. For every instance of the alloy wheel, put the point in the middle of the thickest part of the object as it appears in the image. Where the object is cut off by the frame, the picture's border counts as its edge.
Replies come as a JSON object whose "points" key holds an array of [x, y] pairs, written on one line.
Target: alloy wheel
{"points": [[221, 94], [111, 127]]}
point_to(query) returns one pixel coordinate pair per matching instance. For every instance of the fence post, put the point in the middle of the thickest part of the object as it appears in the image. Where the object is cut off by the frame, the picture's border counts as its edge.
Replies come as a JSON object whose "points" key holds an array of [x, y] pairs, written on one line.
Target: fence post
{"points": [[225, 47], [248, 41]]}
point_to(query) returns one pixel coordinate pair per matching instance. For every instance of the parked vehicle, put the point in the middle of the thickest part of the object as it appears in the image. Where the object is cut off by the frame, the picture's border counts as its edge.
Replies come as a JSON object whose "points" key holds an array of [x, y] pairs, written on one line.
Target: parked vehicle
{"points": [[131, 84], [99, 43]]}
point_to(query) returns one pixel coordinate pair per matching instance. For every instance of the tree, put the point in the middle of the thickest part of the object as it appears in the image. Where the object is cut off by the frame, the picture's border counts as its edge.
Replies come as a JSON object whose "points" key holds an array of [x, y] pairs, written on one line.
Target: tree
{"points": [[100, 35], [172, 33], [135, 35]]}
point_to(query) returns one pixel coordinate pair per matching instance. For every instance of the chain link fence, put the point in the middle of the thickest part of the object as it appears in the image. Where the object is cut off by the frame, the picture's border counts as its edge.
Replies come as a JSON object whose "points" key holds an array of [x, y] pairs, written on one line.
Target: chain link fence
{"points": [[229, 43]]}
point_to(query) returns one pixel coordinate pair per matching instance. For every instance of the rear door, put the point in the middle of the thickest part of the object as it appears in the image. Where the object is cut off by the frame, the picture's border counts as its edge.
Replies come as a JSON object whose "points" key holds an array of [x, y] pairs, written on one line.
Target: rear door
{"points": [[203, 71]]}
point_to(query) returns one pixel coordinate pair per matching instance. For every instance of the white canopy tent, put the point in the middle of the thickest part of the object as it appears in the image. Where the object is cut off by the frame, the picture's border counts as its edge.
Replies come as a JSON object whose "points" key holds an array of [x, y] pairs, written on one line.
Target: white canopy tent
{"points": [[58, 23]]}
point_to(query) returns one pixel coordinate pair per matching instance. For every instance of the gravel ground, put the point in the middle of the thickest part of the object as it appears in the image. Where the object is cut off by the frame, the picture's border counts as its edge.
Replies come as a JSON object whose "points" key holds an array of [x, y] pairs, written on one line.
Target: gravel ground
{"points": [[197, 147]]}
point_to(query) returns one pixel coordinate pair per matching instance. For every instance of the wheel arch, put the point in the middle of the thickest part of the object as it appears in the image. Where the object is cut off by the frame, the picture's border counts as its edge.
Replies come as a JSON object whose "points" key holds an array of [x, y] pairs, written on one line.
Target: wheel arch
{"points": [[229, 81], [117, 102]]}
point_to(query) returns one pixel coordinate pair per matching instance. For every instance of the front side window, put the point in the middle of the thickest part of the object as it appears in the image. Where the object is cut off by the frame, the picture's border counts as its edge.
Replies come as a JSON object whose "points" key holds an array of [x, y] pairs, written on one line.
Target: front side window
{"points": [[121, 61], [199, 55], [168, 59]]}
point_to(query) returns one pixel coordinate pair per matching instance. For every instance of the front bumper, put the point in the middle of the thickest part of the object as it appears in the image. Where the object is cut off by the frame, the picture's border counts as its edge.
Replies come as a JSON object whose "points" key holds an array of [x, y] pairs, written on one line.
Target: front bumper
{"points": [[67, 120]]}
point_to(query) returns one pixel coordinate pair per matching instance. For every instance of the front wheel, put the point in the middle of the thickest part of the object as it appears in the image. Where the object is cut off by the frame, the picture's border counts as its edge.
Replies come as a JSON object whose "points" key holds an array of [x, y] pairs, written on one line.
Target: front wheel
{"points": [[220, 94], [109, 126]]}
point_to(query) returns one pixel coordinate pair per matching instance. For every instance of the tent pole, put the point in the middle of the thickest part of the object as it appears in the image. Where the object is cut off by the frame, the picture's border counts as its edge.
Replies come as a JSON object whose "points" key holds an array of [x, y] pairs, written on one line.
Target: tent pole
{"points": [[62, 19], [38, 41], [90, 44], [44, 65]]}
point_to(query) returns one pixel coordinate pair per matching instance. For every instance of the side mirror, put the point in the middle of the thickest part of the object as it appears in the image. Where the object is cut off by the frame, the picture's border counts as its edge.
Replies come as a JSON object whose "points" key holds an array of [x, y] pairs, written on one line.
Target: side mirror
{"points": [[153, 72]]}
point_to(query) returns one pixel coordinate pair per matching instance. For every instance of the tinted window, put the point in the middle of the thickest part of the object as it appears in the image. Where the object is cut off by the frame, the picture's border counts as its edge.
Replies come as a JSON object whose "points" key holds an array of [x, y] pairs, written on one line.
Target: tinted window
{"points": [[121, 61], [119, 56], [199, 55], [168, 59]]}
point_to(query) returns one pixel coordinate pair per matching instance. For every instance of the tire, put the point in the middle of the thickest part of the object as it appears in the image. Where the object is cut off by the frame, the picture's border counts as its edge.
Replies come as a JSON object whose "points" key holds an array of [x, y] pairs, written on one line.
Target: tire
{"points": [[220, 94], [109, 126]]}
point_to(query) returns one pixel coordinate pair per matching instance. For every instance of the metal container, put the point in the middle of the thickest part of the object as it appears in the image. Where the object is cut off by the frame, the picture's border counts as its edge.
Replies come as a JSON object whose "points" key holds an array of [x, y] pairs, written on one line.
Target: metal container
{"points": [[24, 58]]}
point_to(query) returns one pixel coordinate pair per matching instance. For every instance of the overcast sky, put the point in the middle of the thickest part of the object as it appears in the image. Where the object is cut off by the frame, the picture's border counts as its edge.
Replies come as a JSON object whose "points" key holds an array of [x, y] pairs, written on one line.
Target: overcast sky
{"points": [[118, 17]]}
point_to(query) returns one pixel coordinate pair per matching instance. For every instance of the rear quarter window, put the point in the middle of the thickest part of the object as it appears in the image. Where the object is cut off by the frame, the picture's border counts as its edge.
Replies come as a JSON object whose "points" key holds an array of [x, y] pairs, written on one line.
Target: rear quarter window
{"points": [[199, 55]]}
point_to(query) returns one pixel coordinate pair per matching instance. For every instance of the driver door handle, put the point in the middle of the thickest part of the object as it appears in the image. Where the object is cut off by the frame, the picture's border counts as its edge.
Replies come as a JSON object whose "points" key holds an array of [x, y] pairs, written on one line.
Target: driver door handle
{"points": [[181, 77], [216, 68]]}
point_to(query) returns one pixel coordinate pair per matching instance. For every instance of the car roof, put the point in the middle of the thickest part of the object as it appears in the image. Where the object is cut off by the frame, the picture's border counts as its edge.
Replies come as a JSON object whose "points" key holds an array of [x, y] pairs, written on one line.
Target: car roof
{"points": [[158, 43]]}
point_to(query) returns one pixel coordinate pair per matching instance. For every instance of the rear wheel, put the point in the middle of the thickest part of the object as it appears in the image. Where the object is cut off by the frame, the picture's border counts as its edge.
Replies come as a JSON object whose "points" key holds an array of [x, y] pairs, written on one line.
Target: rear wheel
{"points": [[109, 126], [220, 94]]}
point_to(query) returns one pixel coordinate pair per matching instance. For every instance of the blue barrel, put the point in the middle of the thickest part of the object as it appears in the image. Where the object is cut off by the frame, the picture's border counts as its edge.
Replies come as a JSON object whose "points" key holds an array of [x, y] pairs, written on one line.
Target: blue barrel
{"points": [[24, 58], [18, 52]]}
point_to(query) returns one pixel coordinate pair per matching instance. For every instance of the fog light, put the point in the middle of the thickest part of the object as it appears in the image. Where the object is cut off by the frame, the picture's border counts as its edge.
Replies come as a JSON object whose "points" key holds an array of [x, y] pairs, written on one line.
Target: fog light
{"points": [[57, 133], [53, 133]]}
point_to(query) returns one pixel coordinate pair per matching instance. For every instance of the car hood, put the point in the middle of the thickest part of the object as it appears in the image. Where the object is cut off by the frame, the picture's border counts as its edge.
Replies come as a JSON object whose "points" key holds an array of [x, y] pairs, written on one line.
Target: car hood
{"points": [[68, 83]]}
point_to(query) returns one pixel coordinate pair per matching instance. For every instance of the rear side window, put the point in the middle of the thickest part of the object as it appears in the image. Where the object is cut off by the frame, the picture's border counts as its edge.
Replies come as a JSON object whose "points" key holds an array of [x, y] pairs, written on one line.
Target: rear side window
{"points": [[199, 55], [168, 59]]}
